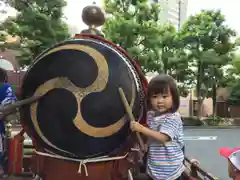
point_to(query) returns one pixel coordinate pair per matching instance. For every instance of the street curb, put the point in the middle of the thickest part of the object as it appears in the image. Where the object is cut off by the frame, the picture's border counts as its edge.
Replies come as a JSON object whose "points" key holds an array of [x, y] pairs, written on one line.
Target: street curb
{"points": [[211, 127]]}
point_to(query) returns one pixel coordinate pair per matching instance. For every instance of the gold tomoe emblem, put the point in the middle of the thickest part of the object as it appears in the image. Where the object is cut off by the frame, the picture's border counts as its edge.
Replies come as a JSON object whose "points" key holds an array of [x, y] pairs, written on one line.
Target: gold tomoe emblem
{"points": [[80, 93]]}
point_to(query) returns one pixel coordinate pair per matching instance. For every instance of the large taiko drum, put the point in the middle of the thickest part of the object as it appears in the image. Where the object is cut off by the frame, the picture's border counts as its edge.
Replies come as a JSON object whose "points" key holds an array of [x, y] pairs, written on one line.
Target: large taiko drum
{"points": [[81, 114]]}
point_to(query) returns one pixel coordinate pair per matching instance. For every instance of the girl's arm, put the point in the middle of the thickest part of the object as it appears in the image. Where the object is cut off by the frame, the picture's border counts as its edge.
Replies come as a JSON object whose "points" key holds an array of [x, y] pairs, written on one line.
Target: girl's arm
{"points": [[166, 132], [163, 138]]}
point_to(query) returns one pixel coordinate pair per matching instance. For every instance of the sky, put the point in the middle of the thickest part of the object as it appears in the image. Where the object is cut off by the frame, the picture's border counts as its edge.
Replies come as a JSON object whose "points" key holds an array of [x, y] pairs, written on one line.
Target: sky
{"points": [[230, 8]]}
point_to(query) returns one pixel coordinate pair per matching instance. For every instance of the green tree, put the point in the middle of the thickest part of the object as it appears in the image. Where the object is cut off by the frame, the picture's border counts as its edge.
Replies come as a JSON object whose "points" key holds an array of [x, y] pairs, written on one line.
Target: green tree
{"points": [[134, 26], [172, 54], [207, 39], [232, 78], [3, 35], [234, 69], [175, 59], [38, 23], [5, 43]]}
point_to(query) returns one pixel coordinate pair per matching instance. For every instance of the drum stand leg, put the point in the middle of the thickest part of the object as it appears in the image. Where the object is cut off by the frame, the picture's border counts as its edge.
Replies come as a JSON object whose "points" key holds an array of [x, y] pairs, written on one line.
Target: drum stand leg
{"points": [[130, 176], [37, 177]]}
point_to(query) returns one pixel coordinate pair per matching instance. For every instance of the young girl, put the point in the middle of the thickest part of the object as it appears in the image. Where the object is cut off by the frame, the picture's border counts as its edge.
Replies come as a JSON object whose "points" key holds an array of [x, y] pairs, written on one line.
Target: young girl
{"points": [[165, 132]]}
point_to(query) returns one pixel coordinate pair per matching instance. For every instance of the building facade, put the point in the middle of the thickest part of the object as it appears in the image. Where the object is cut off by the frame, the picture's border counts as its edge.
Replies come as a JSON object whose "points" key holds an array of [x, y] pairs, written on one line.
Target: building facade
{"points": [[173, 12]]}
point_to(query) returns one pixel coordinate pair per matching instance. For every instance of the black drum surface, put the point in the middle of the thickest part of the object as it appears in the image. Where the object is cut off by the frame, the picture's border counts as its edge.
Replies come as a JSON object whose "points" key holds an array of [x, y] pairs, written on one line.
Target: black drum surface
{"points": [[54, 128]]}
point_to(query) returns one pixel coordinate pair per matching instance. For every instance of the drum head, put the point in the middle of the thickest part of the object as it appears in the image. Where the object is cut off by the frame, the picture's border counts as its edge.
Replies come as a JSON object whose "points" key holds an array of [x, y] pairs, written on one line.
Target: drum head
{"points": [[81, 114]]}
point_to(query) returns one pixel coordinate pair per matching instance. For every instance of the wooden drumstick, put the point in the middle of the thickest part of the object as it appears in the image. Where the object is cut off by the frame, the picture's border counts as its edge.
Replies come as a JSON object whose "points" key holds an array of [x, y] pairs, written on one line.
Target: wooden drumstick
{"points": [[129, 112], [11, 108]]}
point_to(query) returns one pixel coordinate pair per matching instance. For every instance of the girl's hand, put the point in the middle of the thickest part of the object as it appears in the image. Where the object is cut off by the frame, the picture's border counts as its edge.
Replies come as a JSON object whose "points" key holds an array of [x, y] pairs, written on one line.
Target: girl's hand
{"points": [[195, 162], [135, 126]]}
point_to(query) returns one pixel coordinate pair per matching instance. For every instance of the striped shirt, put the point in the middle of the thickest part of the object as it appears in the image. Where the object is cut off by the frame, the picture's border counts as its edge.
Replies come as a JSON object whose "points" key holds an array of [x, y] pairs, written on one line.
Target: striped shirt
{"points": [[6, 97], [7, 94], [165, 161]]}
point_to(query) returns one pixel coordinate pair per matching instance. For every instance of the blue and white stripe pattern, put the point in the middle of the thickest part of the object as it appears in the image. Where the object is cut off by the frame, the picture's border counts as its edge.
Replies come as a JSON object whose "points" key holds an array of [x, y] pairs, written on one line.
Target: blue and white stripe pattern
{"points": [[165, 161], [6, 97], [9, 96]]}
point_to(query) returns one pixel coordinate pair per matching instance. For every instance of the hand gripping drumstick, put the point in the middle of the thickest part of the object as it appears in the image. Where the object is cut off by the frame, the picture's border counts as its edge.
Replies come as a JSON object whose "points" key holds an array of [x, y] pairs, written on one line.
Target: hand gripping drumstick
{"points": [[129, 112], [11, 108]]}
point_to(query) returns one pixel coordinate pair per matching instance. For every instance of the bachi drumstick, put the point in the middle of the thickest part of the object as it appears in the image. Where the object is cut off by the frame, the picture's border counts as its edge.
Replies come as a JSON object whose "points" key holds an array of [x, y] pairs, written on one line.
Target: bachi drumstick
{"points": [[129, 112]]}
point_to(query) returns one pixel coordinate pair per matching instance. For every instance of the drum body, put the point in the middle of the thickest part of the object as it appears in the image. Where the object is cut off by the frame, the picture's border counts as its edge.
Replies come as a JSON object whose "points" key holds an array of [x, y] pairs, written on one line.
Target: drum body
{"points": [[46, 167], [81, 114]]}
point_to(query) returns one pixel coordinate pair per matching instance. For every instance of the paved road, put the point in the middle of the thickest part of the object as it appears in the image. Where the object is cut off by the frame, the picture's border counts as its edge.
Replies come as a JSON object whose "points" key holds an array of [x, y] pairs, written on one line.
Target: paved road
{"points": [[206, 150]]}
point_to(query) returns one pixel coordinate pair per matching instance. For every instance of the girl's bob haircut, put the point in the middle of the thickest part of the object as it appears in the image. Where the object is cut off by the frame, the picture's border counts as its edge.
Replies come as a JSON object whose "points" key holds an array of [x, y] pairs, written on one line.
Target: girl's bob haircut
{"points": [[160, 85]]}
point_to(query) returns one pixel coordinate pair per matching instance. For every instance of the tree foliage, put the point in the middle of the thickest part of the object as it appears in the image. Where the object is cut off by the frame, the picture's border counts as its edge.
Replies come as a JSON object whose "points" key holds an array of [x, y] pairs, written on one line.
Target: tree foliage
{"points": [[3, 36], [232, 78], [208, 41], [196, 55], [38, 23], [134, 26]]}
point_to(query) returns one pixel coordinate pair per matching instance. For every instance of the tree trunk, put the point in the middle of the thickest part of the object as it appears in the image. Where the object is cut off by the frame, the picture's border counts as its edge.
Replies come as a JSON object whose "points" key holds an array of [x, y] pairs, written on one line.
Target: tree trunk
{"points": [[165, 62], [200, 108], [165, 70], [199, 112], [214, 89]]}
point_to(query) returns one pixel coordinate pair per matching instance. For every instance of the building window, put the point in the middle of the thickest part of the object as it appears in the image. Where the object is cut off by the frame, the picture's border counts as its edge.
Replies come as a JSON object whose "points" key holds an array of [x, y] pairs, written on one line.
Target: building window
{"points": [[174, 10], [173, 15], [173, 19]]}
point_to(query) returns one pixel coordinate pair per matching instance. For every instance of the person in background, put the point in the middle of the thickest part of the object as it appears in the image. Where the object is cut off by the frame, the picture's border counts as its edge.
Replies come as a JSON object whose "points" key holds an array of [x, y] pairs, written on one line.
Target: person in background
{"points": [[6, 97], [2, 135], [233, 157]]}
